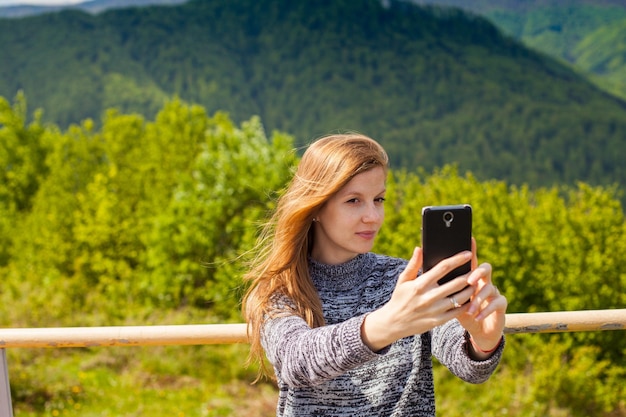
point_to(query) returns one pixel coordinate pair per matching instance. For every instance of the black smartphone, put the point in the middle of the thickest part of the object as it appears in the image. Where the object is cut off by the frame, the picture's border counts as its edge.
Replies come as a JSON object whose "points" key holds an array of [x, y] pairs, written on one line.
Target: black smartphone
{"points": [[446, 231]]}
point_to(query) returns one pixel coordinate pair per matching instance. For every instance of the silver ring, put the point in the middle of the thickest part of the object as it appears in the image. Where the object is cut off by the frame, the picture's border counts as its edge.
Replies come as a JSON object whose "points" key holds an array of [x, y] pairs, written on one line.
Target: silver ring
{"points": [[454, 303]]}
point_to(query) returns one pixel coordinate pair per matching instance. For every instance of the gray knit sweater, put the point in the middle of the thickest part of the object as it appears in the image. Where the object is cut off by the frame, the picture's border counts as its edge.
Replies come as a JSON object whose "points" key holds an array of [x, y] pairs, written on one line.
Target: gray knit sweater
{"points": [[329, 371]]}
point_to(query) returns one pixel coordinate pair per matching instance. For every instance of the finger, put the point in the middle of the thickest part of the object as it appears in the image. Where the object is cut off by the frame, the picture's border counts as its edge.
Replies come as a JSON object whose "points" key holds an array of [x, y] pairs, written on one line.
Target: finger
{"points": [[475, 253], [452, 302], [444, 267], [465, 294], [499, 303], [481, 273], [458, 299], [458, 287], [486, 294], [412, 267]]}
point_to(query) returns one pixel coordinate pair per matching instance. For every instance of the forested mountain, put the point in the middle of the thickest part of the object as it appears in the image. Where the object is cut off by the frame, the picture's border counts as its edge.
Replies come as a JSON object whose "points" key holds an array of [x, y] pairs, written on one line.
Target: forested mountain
{"points": [[93, 6], [434, 85], [151, 218], [589, 34]]}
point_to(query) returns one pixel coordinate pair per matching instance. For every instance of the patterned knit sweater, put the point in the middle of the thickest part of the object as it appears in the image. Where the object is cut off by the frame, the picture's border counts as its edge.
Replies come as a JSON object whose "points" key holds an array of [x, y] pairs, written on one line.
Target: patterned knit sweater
{"points": [[329, 371]]}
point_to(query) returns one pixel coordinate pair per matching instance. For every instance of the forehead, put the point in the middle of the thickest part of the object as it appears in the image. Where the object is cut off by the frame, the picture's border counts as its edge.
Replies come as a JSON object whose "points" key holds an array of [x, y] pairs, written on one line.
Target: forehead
{"points": [[370, 181]]}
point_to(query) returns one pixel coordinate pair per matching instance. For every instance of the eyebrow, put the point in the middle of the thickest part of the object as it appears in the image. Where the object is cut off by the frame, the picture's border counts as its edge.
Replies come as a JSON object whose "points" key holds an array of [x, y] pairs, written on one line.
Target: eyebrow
{"points": [[349, 192]]}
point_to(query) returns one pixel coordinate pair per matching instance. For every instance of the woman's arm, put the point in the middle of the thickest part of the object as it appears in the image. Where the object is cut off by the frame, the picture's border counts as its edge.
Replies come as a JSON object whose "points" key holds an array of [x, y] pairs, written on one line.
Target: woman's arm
{"points": [[452, 347], [302, 356]]}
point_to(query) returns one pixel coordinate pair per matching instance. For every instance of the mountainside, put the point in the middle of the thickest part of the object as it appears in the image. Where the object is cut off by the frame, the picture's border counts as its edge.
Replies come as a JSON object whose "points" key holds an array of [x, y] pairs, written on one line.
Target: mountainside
{"points": [[93, 6], [435, 86], [589, 34], [560, 28]]}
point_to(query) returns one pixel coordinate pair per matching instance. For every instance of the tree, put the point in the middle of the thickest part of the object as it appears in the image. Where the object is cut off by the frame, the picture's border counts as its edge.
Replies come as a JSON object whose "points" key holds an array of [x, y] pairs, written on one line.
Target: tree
{"points": [[195, 249]]}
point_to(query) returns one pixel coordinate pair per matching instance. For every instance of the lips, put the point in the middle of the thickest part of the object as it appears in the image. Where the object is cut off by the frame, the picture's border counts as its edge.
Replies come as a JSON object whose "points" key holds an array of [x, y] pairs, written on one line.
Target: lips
{"points": [[368, 234]]}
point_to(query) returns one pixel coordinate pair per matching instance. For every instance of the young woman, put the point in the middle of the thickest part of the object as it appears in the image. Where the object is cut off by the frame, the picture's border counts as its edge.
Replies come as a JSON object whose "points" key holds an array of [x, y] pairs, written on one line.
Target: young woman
{"points": [[350, 332]]}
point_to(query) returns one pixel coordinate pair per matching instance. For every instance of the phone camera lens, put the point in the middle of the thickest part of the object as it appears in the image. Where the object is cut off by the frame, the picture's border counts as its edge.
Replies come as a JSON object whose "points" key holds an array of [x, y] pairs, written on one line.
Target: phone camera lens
{"points": [[447, 218]]}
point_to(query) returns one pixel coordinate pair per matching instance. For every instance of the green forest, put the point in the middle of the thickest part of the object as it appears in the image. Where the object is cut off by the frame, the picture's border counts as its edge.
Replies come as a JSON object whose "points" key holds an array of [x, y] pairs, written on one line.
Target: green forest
{"points": [[139, 221], [437, 85], [587, 34]]}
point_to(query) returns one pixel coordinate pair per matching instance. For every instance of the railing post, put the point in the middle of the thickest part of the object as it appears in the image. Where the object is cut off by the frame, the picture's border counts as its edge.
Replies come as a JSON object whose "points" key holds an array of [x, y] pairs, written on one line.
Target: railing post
{"points": [[6, 408]]}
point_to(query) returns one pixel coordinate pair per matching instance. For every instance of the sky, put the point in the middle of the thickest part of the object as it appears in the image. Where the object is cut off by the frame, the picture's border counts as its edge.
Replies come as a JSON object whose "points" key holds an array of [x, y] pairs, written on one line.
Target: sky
{"points": [[39, 2]]}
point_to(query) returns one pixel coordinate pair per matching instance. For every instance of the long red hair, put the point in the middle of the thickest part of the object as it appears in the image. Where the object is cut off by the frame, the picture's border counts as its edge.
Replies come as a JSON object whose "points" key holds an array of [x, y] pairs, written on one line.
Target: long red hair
{"points": [[281, 262]]}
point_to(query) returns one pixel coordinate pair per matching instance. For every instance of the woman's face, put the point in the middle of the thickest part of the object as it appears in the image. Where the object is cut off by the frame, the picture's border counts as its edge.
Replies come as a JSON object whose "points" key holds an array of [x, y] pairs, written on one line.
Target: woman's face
{"points": [[350, 220]]}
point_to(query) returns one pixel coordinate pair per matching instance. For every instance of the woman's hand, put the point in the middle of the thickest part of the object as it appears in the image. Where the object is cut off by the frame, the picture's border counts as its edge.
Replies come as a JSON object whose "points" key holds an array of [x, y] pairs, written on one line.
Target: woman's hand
{"points": [[418, 304], [484, 316]]}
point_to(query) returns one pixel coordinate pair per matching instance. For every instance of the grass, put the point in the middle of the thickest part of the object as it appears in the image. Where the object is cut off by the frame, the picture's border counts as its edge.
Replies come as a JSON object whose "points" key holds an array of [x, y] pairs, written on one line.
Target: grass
{"points": [[536, 378], [155, 381], [183, 381]]}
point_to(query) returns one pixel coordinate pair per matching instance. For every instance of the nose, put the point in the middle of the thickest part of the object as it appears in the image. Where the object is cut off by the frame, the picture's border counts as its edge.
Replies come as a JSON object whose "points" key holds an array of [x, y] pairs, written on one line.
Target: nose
{"points": [[373, 213]]}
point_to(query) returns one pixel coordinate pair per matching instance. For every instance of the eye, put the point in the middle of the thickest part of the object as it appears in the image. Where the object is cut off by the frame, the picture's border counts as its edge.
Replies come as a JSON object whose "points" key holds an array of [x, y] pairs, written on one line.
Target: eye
{"points": [[353, 200], [380, 200]]}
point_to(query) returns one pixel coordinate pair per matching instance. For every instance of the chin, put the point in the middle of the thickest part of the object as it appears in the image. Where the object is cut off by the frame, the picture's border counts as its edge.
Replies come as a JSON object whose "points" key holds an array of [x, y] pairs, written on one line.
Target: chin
{"points": [[363, 250]]}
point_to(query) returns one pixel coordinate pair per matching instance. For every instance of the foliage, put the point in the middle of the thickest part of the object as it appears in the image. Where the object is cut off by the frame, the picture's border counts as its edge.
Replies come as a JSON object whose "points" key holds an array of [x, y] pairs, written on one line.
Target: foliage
{"points": [[435, 85], [20, 166], [609, 66], [213, 215], [587, 35], [540, 376], [553, 249], [206, 381], [145, 222], [145, 212]]}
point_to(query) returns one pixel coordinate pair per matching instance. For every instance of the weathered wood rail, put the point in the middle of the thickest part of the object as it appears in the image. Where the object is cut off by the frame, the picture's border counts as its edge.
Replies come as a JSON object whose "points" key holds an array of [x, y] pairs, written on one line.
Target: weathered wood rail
{"points": [[201, 334]]}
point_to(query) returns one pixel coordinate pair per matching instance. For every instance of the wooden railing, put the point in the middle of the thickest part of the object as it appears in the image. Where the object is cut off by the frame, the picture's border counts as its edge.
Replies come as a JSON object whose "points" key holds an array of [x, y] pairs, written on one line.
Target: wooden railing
{"points": [[202, 334]]}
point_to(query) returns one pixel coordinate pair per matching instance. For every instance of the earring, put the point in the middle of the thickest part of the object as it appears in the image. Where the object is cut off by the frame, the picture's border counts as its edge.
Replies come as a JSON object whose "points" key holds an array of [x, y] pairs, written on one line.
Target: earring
{"points": [[315, 219]]}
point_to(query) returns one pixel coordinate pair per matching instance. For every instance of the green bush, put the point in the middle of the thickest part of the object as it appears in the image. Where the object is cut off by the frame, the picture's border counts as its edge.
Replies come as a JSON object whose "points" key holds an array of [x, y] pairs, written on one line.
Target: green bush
{"points": [[150, 222]]}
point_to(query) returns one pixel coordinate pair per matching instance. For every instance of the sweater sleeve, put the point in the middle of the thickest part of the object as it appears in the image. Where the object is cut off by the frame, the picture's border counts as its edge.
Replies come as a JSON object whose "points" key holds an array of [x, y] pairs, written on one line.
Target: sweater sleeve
{"points": [[302, 356], [450, 347]]}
